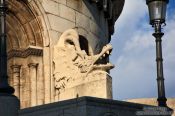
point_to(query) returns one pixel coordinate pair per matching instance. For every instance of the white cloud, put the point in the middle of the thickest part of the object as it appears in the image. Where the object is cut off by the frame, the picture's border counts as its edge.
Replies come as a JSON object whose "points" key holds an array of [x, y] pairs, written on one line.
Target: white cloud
{"points": [[135, 72], [139, 42], [131, 14]]}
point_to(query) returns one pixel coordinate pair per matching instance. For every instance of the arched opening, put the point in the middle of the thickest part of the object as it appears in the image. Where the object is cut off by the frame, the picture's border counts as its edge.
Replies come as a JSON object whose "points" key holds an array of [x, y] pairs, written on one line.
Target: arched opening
{"points": [[25, 52], [23, 28], [84, 44]]}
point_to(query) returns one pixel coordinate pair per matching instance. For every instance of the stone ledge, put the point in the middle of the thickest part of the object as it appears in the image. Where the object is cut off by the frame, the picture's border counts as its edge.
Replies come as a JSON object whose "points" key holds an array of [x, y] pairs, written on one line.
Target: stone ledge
{"points": [[23, 53], [86, 106]]}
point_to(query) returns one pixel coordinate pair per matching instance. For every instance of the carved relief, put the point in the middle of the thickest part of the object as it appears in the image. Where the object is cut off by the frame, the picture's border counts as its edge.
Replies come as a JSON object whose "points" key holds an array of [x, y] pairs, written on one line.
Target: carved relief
{"points": [[72, 64], [23, 53]]}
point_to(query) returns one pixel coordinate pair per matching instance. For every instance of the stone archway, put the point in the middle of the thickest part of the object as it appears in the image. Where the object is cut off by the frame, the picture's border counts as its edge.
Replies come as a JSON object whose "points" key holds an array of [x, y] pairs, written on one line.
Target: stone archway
{"points": [[33, 29], [23, 27], [27, 46]]}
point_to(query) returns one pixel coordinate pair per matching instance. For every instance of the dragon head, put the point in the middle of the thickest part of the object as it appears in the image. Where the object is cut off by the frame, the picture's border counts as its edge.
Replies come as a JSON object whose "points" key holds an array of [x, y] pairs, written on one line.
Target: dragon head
{"points": [[72, 61]]}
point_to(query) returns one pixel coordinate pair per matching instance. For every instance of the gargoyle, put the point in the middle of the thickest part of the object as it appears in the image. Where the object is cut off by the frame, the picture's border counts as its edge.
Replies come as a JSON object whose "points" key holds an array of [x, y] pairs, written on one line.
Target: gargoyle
{"points": [[72, 63]]}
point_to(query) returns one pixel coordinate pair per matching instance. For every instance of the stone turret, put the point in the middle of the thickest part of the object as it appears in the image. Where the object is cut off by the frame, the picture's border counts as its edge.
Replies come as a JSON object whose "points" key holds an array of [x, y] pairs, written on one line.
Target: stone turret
{"points": [[34, 28]]}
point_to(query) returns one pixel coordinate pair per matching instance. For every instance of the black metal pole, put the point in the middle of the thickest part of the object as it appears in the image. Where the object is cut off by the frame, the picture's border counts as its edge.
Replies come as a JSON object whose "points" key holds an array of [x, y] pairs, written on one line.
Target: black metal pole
{"points": [[9, 104], [4, 86], [160, 77]]}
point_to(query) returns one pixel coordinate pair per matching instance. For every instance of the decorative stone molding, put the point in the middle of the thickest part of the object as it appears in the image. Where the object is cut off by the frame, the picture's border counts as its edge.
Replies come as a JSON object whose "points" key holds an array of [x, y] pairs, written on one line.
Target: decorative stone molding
{"points": [[23, 53], [33, 65], [16, 68], [16, 79], [33, 83]]}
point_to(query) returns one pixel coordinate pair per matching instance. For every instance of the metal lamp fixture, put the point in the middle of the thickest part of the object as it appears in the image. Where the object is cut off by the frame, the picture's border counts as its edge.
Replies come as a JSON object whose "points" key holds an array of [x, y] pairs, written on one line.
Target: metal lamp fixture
{"points": [[157, 12]]}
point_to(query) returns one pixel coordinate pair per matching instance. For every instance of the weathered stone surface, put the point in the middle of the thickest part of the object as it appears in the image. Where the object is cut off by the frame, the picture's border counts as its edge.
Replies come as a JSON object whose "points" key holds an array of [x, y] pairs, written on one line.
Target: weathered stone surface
{"points": [[82, 21], [61, 1], [67, 12], [50, 7], [78, 73], [59, 24], [75, 4], [34, 28], [88, 106]]}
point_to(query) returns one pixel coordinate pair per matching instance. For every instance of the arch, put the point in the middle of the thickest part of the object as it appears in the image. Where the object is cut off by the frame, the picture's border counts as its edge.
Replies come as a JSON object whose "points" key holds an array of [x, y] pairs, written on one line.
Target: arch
{"points": [[27, 39], [23, 27]]}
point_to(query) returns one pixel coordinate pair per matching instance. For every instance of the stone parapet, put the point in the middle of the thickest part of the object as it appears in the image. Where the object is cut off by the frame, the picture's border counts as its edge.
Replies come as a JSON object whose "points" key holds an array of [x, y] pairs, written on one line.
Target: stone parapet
{"points": [[88, 106]]}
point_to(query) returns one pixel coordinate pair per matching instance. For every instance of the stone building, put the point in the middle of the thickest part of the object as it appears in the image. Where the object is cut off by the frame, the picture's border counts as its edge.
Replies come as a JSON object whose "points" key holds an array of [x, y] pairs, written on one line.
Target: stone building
{"points": [[54, 47]]}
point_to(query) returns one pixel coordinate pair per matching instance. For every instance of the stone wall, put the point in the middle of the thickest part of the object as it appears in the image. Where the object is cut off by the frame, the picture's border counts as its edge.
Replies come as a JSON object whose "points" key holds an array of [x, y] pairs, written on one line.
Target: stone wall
{"points": [[87, 106], [34, 28], [80, 15]]}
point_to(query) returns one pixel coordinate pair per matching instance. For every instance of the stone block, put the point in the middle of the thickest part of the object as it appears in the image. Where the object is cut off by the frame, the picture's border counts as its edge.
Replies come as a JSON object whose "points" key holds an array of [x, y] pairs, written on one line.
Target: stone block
{"points": [[67, 12], [62, 1], [60, 24], [100, 86], [95, 29], [85, 9], [82, 21], [94, 41], [54, 35], [82, 31], [50, 7], [75, 4]]}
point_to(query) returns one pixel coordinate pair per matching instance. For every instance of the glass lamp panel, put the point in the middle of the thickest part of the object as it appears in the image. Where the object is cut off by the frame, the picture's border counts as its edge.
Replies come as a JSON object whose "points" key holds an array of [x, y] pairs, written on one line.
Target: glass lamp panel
{"points": [[157, 11]]}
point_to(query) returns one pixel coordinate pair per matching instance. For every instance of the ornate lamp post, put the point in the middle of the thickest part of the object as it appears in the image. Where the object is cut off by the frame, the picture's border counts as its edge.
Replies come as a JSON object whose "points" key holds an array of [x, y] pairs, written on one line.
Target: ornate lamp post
{"points": [[4, 87], [9, 104], [157, 13]]}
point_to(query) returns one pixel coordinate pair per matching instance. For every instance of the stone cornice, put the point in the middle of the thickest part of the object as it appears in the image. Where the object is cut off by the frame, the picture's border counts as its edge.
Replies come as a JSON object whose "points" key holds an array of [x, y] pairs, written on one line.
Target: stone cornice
{"points": [[112, 10], [23, 53]]}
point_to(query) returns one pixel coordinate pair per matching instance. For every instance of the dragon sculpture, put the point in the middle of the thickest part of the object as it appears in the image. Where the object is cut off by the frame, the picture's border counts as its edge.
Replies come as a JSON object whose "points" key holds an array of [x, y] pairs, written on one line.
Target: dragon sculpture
{"points": [[72, 64]]}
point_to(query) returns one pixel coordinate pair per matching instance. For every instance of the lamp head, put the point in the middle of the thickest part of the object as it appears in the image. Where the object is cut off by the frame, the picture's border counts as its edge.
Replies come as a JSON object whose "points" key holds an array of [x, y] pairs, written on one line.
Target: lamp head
{"points": [[157, 10]]}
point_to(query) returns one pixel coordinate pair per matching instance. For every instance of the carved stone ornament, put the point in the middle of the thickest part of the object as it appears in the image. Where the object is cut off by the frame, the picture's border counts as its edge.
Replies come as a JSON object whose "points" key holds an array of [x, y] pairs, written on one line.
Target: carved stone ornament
{"points": [[72, 65]]}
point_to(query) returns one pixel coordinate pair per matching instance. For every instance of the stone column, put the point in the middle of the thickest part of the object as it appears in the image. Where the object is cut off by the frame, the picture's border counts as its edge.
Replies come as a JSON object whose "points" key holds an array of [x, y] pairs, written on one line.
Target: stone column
{"points": [[33, 83], [16, 79]]}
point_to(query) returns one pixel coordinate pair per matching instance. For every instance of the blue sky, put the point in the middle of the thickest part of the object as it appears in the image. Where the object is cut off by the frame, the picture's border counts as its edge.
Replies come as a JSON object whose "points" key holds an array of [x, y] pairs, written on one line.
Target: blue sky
{"points": [[134, 53]]}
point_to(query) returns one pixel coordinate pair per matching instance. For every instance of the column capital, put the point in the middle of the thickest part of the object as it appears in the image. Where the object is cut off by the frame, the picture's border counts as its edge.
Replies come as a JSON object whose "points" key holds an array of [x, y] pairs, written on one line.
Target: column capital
{"points": [[33, 65], [15, 68]]}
